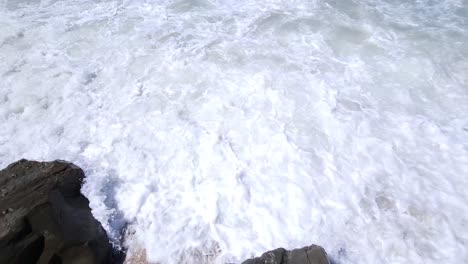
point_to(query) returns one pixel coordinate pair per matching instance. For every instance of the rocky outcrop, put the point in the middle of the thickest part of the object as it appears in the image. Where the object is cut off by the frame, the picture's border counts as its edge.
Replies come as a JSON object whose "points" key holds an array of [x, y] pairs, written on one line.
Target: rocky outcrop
{"points": [[45, 219], [307, 255]]}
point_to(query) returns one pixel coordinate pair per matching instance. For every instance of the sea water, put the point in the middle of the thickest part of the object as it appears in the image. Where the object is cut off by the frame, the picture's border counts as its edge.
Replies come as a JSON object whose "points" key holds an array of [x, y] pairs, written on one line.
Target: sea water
{"points": [[212, 131]]}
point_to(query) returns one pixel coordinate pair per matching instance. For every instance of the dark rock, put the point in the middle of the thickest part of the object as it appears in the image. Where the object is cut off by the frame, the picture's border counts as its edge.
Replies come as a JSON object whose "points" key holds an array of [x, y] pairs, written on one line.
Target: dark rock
{"points": [[45, 219], [306, 255]]}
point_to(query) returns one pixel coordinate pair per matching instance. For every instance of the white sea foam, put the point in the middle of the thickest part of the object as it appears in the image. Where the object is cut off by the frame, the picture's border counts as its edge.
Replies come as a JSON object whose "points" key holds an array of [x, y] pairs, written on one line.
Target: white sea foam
{"points": [[227, 128]]}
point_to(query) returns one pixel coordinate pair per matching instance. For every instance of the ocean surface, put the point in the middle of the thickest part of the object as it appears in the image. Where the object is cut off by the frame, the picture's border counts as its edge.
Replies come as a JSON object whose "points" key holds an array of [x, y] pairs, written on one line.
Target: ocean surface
{"points": [[213, 131]]}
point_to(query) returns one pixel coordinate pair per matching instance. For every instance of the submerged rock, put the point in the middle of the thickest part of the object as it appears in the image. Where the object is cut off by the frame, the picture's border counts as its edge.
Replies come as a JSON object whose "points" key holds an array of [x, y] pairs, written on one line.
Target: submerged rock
{"points": [[306, 255], [45, 219]]}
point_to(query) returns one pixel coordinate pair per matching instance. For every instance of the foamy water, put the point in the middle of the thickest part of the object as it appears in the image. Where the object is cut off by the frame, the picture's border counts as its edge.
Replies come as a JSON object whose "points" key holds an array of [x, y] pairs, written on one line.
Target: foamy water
{"points": [[221, 129]]}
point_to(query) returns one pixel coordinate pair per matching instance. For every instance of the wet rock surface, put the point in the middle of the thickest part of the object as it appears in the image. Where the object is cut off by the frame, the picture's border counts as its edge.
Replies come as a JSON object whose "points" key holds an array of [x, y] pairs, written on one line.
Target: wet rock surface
{"points": [[45, 219], [307, 255]]}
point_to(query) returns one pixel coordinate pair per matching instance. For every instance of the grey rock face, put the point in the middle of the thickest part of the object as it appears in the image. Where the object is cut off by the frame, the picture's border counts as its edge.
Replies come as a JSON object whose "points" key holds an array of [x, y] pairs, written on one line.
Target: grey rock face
{"points": [[306, 255], [45, 219]]}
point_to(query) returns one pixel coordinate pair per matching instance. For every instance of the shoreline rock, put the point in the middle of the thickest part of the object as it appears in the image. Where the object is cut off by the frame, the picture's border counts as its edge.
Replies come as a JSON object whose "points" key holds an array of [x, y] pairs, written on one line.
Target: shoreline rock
{"points": [[307, 255], [44, 218]]}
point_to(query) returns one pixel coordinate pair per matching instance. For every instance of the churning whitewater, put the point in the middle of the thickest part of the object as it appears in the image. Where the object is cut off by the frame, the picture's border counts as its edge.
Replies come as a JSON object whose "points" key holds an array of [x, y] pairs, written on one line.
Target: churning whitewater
{"points": [[217, 130]]}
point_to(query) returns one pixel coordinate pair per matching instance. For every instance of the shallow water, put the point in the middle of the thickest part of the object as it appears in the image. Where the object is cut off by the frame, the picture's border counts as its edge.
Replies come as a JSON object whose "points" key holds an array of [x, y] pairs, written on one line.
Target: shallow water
{"points": [[222, 129]]}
